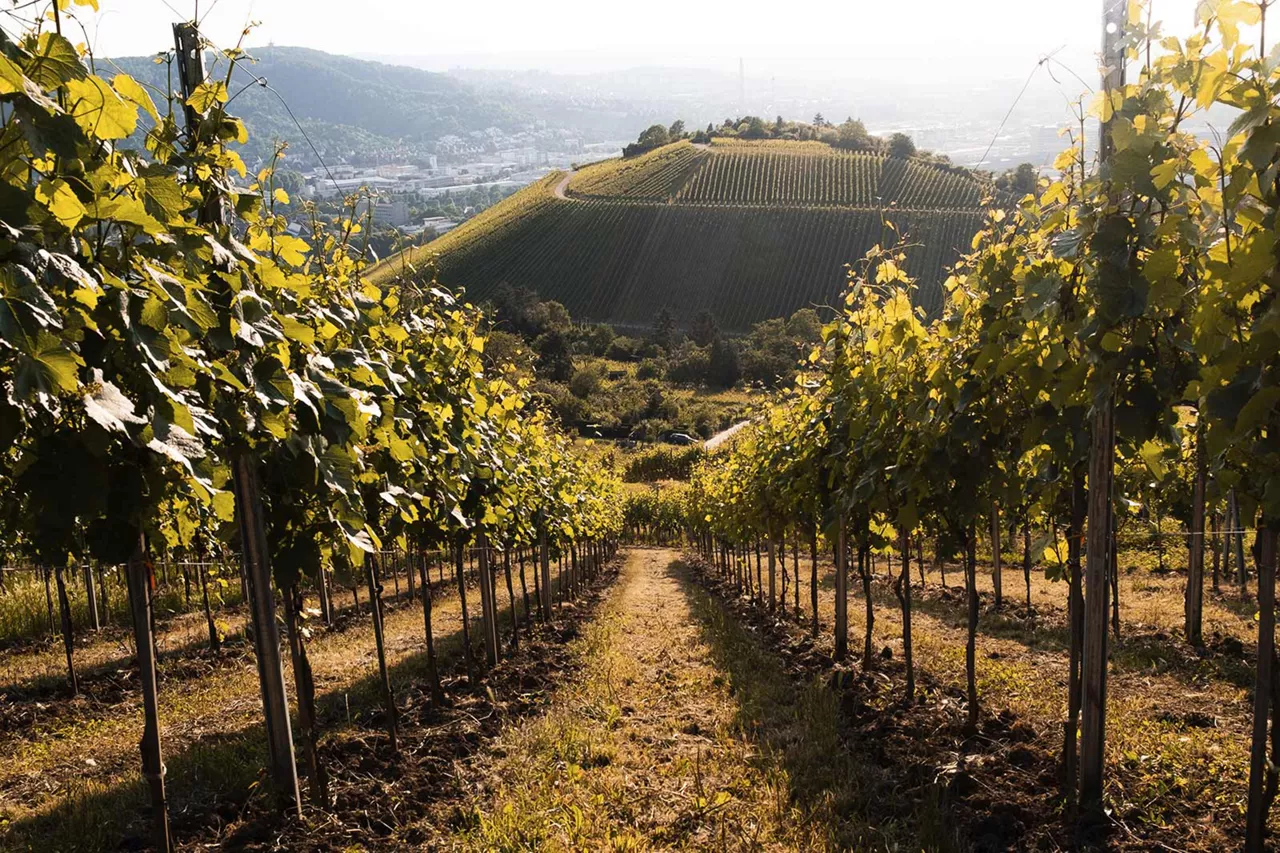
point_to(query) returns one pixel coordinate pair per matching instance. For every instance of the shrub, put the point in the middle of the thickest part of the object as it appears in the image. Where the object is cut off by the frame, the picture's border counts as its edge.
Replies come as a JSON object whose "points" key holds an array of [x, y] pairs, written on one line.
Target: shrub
{"points": [[689, 364], [651, 368], [662, 463], [622, 348], [587, 381]]}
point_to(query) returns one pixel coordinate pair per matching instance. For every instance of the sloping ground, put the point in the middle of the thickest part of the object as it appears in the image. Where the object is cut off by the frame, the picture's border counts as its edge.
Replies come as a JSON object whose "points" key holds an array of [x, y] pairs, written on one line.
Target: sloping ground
{"points": [[804, 177], [747, 232], [680, 732], [656, 176], [622, 262], [69, 778], [1178, 720]]}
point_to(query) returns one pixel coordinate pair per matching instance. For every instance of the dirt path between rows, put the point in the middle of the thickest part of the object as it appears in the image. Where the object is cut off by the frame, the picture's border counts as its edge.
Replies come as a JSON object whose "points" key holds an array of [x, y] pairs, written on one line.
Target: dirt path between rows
{"points": [[721, 437], [680, 732]]}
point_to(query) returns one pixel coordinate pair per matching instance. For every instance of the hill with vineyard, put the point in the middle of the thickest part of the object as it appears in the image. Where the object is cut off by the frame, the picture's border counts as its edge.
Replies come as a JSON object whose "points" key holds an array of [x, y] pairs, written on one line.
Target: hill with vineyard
{"points": [[747, 230]]}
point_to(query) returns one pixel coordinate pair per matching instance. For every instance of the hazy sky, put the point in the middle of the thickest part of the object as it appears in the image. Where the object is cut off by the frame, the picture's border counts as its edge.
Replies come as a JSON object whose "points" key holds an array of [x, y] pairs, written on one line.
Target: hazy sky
{"points": [[915, 40]]}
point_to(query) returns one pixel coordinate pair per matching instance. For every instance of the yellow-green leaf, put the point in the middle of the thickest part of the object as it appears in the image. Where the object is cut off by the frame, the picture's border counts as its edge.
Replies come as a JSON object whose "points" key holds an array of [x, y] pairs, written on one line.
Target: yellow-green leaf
{"points": [[99, 110], [132, 91], [57, 196], [1111, 342], [208, 95], [295, 330]]}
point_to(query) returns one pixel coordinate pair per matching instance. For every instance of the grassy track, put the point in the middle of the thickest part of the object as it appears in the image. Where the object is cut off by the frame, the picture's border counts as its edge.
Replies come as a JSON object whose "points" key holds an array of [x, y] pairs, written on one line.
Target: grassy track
{"points": [[681, 732], [677, 719]]}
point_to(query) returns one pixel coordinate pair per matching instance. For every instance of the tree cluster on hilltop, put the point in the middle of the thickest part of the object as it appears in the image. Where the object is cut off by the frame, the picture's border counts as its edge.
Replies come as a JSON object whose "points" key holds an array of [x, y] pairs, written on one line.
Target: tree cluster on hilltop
{"points": [[849, 135]]}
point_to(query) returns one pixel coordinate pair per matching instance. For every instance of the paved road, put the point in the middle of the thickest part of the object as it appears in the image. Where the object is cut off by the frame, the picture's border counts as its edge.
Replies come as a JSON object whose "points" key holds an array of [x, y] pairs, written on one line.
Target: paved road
{"points": [[721, 437]]}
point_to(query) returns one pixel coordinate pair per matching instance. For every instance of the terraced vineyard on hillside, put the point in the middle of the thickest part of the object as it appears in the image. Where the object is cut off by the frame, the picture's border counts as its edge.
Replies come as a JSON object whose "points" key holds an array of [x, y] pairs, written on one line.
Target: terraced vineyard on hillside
{"points": [[776, 176], [655, 176], [747, 231]]}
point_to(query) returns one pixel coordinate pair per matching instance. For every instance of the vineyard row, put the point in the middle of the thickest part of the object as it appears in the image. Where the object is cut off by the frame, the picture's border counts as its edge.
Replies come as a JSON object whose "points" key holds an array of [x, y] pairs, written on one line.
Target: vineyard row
{"points": [[621, 262]]}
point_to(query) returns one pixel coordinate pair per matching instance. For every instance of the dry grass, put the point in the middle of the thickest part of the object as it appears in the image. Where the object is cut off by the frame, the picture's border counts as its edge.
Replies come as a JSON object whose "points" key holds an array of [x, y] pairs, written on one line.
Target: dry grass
{"points": [[683, 732], [1178, 719], [71, 766], [641, 752], [681, 728]]}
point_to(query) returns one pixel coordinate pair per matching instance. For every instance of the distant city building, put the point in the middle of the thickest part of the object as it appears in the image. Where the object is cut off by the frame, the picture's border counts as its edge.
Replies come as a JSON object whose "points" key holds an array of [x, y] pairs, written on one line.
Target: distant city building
{"points": [[393, 213], [340, 187], [385, 212], [439, 224]]}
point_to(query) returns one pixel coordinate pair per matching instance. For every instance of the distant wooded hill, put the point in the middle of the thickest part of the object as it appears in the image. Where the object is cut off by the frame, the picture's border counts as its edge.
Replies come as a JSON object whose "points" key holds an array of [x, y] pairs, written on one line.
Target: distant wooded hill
{"points": [[746, 230], [349, 107]]}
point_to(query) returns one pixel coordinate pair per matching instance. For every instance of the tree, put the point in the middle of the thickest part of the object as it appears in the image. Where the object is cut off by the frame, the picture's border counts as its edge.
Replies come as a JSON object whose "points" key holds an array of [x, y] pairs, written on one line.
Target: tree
{"points": [[853, 135], [291, 181], [550, 316], [676, 131], [722, 366], [596, 338], [555, 356], [819, 120], [805, 327], [654, 137], [1025, 179], [664, 329], [901, 146], [705, 328], [587, 381]]}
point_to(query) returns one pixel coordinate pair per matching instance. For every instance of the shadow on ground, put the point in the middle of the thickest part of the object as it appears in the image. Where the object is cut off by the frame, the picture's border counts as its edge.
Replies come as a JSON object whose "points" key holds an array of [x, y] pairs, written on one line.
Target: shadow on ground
{"points": [[795, 720], [218, 793]]}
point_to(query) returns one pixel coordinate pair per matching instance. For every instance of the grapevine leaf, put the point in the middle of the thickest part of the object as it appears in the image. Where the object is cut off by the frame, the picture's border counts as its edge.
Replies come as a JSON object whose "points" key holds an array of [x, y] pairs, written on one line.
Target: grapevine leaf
{"points": [[132, 91], [108, 407], [59, 199], [54, 62], [99, 110]]}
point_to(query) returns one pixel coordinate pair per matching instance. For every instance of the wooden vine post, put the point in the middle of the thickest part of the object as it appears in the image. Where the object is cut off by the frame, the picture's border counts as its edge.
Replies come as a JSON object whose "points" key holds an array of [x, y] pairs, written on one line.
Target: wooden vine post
{"points": [[773, 573], [842, 590], [1260, 774], [433, 671], [384, 678], [488, 610], [1093, 668], [1195, 557], [138, 578], [91, 597], [813, 579], [997, 566], [266, 633], [249, 513], [1101, 472]]}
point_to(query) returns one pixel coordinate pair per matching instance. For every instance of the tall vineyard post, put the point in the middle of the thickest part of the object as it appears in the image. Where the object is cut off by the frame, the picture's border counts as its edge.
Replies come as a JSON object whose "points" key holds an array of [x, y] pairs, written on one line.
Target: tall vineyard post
{"points": [[249, 514], [1101, 471], [138, 577], [842, 590]]}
